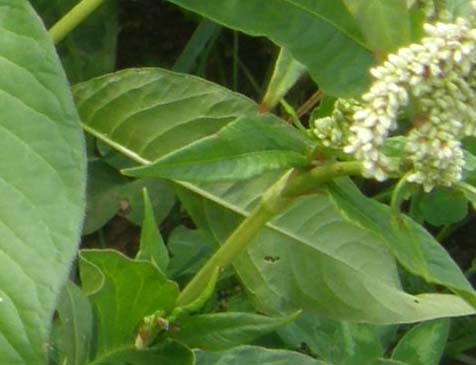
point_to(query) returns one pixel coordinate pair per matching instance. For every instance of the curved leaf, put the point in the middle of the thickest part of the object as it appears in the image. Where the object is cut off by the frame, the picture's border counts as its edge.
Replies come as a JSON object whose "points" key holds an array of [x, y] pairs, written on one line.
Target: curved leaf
{"points": [[154, 111], [42, 175], [123, 292], [242, 149], [322, 35], [221, 331]]}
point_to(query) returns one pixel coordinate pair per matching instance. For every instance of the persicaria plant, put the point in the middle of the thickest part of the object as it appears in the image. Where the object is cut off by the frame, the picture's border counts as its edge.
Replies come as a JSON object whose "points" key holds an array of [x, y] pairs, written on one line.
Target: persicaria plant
{"points": [[154, 214]]}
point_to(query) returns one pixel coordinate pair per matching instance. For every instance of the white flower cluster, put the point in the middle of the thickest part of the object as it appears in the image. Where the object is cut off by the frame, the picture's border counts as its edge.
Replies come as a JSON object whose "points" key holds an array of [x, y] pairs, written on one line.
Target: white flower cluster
{"points": [[438, 78], [333, 131]]}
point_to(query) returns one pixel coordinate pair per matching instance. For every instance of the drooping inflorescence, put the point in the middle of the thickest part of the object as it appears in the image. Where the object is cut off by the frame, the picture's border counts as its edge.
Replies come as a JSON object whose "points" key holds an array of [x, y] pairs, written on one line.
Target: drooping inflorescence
{"points": [[437, 78]]}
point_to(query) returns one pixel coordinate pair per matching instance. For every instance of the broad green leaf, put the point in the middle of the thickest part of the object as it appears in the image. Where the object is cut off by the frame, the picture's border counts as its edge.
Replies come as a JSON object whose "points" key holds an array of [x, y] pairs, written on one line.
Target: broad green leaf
{"points": [[126, 292], [323, 264], [287, 71], [462, 336], [90, 50], [411, 244], [222, 331], [384, 23], [42, 181], [153, 111], [75, 327], [322, 35], [444, 206], [423, 344], [245, 148], [152, 247], [255, 355], [469, 192]]}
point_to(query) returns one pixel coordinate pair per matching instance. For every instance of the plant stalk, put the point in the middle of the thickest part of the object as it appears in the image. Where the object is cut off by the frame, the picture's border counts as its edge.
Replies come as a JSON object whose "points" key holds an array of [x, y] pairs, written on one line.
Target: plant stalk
{"points": [[280, 196], [72, 19]]}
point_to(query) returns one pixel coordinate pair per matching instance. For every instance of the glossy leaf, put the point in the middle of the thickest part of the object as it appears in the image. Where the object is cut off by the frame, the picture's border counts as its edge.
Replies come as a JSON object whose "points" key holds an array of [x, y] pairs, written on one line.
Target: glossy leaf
{"points": [[384, 23], [153, 111], [424, 344], [41, 186], [255, 355], [411, 244], [321, 35], [90, 50], [221, 331], [243, 149], [123, 292], [152, 247], [76, 326]]}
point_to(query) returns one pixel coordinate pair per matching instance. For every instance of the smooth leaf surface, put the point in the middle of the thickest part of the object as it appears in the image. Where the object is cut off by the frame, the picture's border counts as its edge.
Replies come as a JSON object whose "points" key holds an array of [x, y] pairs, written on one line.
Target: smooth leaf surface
{"points": [[222, 331], [424, 344], [153, 111], [90, 50], [384, 23], [42, 180], [322, 35], [411, 244], [123, 292], [76, 326], [245, 148], [322, 264], [152, 247], [255, 355]]}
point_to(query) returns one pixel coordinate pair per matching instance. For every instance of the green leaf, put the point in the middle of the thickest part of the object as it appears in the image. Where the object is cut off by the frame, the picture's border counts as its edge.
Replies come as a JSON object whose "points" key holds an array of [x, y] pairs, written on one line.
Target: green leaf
{"points": [[255, 355], [243, 149], [444, 206], [384, 23], [152, 247], [126, 292], [189, 250], [469, 192], [423, 344], [76, 326], [154, 111], [388, 362], [131, 199], [321, 35], [90, 50], [221, 331], [462, 336], [287, 72], [338, 342], [324, 264], [41, 186], [166, 353], [411, 244]]}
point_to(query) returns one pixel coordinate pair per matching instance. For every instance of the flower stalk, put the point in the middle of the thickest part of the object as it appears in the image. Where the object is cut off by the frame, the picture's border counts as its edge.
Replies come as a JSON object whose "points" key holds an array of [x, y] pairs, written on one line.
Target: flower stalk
{"points": [[73, 18]]}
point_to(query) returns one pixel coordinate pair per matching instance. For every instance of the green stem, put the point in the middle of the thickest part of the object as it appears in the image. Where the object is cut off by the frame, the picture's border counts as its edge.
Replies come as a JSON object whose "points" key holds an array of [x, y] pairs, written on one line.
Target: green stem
{"points": [[274, 201], [71, 20]]}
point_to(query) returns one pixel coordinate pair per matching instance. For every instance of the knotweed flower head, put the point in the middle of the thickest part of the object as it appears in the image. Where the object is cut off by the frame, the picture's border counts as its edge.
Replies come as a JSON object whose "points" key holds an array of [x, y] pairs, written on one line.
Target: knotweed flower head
{"points": [[437, 77]]}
